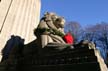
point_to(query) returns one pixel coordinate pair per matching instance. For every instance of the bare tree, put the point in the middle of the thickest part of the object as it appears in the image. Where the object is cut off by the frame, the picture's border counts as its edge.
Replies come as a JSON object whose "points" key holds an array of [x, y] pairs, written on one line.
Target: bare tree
{"points": [[102, 37], [99, 34], [89, 33], [75, 29]]}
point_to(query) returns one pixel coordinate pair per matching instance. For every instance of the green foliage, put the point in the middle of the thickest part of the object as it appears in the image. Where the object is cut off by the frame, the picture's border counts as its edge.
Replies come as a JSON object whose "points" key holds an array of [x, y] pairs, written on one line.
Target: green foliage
{"points": [[50, 31], [56, 32]]}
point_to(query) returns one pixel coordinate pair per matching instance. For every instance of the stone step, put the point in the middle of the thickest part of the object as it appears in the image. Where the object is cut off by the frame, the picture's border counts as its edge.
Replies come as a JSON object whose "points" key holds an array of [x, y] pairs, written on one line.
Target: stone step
{"points": [[83, 66], [65, 51], [52, 61], [64, 67], [68, 54]]}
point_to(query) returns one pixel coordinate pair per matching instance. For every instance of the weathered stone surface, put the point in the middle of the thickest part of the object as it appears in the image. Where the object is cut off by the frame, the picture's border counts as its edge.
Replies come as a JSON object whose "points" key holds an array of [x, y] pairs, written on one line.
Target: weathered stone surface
{"points": [[18, 17], [50, 28]]}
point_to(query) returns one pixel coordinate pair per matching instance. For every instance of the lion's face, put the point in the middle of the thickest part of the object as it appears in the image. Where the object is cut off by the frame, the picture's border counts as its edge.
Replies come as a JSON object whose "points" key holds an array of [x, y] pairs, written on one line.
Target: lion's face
{"points": [[59, 22]]}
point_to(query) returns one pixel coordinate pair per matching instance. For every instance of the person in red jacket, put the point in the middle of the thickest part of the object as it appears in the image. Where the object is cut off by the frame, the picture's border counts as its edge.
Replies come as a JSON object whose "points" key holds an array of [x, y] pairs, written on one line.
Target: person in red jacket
{"points": [[68, 38]]}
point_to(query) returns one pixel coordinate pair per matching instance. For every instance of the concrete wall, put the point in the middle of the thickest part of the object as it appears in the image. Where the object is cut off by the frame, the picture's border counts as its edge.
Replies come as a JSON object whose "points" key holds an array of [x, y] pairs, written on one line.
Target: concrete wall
{"points": [[18, 17]]}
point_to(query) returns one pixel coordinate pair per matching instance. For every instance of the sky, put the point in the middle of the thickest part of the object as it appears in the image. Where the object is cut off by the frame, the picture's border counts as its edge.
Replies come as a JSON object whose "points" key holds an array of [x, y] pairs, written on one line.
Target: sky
{"points": [[86, 12]]}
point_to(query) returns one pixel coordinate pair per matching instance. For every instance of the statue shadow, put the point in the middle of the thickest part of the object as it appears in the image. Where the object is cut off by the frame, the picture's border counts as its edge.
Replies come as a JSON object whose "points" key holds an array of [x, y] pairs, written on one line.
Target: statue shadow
{"points": [[13, 48]]}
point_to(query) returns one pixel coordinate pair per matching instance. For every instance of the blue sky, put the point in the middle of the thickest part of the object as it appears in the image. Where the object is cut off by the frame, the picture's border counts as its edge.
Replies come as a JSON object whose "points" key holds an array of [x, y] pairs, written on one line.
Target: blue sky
{"points": [[86, 12]]}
